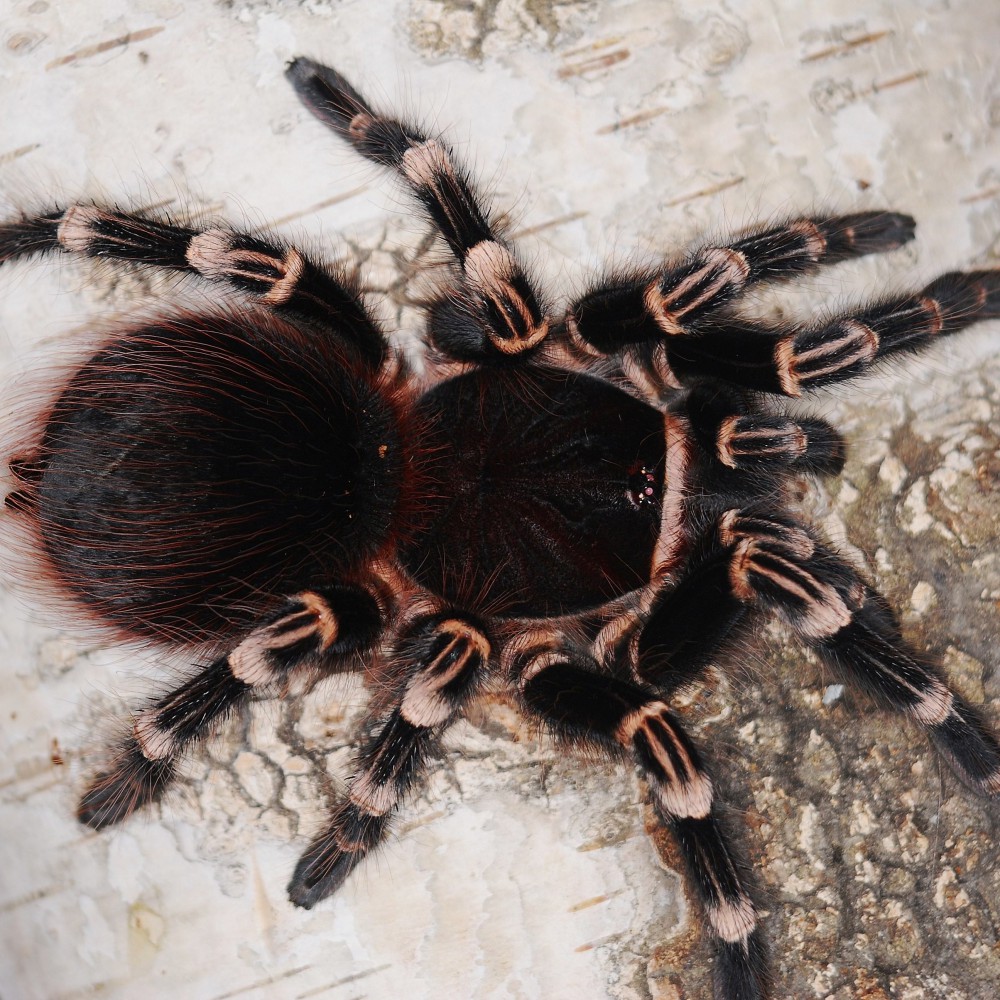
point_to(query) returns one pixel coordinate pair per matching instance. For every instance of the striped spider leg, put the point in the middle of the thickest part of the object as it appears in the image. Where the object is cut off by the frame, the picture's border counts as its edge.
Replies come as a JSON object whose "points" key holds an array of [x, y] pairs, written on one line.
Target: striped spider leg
{"points": [[493, 315], [311, 634]]}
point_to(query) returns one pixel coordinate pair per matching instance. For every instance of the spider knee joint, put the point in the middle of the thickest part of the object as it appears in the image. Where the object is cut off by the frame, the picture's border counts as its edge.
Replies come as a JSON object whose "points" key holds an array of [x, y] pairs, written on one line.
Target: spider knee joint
{"points": [[681, 787], [449, 656]]}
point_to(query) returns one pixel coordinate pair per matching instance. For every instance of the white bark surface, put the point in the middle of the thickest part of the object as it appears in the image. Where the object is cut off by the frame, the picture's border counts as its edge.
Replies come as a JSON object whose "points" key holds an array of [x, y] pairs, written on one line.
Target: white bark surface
{"points": [[607, 130]]}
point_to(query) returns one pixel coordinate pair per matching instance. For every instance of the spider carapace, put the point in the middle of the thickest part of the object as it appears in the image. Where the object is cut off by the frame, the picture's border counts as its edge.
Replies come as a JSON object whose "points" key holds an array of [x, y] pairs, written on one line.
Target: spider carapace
{"points": [[580, 510], [546, 495]]}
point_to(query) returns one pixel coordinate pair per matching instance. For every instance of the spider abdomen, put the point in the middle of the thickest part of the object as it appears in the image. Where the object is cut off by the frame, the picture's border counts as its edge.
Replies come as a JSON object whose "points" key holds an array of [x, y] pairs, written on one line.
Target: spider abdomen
{"points": [[534, 479], [196, 470]]}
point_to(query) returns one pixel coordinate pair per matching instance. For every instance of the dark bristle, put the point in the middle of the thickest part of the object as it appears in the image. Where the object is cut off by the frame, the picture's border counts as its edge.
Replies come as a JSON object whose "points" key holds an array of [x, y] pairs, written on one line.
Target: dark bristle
{"points": [[27, 471], [21, 501], [741, 969], [327, 94], [324, 868], [131, 782]]}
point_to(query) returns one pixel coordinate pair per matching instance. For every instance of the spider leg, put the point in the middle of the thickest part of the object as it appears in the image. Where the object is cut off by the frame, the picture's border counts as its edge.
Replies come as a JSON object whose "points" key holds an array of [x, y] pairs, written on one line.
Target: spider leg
{"points": [[645, 307], [583, 706], [281, 278], [311, 628], [793, 361], [740, 438], [495, 313], [690, 625], [851, 627], [442, 659]]}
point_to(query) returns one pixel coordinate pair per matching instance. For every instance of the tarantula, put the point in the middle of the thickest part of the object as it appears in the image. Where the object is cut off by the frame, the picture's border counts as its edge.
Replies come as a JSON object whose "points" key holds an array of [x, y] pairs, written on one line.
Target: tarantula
{"points": [[579, 513]]}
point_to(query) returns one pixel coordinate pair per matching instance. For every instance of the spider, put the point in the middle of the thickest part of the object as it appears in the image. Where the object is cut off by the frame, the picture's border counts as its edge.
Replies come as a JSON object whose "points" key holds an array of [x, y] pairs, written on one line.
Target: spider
{"points": [[579, 514]]}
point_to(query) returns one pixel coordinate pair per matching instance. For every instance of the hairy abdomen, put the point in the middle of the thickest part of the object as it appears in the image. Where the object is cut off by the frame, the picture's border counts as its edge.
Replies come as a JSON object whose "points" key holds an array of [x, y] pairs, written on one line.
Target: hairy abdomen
{"points": [[195, 470]]}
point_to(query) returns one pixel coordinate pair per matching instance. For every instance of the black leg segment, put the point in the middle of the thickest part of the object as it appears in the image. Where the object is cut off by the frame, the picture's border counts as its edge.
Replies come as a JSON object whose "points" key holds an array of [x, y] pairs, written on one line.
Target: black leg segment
{"points": [[850, 625], [632, 309], [441, 659], [280, 278], [584, 706], [792, 362], [310, 632], [494, 314]]}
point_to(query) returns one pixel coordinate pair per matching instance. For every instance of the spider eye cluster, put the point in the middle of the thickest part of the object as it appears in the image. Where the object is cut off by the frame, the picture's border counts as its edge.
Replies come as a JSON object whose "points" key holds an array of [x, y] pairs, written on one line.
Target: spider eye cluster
{"points": [[643, 487]]}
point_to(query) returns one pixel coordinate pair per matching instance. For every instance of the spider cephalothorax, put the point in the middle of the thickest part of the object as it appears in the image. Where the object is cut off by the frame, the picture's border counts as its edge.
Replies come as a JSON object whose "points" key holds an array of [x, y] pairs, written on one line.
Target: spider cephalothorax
{"points": [[536, 483], [582, 513]]}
